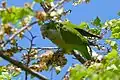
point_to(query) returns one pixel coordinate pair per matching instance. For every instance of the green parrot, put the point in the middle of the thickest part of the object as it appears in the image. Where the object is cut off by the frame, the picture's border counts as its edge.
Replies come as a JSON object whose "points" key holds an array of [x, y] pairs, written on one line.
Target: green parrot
{"points": [[68, 37]]}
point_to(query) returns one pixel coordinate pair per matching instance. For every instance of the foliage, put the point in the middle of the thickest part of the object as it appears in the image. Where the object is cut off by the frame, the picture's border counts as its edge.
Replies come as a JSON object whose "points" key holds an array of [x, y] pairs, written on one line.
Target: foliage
{"points": [[113, 25], [8, 72], [12, 14], [108, 69]]}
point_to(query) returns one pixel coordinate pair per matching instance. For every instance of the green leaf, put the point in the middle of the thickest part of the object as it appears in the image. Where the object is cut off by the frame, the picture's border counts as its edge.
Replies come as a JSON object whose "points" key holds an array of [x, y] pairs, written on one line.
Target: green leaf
{"points": [[116, 29], [77, 2], [113, 44], [112, 67], [15, 15], [77, 72], [87, 1], [112, 54], [118, 13], [49, 0], [83, 25], [16, 73], [94, 31], [39, 1], [97, 22]]}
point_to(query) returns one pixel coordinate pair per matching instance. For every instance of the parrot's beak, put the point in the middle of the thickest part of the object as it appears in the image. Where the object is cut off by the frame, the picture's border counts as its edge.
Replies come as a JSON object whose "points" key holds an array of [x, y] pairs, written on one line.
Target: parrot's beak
{"points": [[43, 32], [43, 29], [43, 35]]}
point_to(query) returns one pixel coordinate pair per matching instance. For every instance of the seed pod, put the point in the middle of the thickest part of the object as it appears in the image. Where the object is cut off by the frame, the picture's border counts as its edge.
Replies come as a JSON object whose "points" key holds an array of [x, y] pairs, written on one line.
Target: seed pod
{"points": [[41, 15]]}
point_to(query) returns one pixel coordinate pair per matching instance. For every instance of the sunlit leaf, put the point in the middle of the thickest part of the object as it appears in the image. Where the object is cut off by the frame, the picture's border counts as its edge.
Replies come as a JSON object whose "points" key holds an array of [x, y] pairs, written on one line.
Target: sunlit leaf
{"points": [[77, 72], [97, 22], [83, 25], [112, 54]]}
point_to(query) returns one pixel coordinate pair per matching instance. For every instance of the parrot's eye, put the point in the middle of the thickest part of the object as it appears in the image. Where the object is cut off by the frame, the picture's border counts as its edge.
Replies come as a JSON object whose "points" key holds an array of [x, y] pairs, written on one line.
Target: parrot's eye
{"points": [[64, 29]]}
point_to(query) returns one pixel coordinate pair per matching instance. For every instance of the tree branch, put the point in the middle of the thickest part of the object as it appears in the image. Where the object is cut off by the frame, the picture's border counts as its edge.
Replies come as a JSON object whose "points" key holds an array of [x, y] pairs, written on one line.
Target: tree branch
{"points": [[59, 3], [20, 65], [22, 29], [2, 9], [39, 48], [49, 10], [29, 51], [78, 57]]}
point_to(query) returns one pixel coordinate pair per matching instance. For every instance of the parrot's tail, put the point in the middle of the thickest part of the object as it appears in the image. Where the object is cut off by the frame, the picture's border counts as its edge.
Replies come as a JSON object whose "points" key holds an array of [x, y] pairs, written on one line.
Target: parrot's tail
{"points": [[92, 43]]}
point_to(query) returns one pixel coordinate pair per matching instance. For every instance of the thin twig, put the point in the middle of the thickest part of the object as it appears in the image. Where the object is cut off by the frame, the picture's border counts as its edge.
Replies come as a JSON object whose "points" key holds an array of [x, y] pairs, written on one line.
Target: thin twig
{"points": [[32, 5], [59, 3], [52, 73], [2, 9], [29, 51], [50, 10], [39, 48], [22, 66], [22, 29], [26, 74]]}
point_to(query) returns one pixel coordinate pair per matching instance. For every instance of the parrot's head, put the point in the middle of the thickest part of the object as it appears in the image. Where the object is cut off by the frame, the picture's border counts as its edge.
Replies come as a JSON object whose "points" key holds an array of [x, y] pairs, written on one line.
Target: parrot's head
{"points": [[49, 29]]}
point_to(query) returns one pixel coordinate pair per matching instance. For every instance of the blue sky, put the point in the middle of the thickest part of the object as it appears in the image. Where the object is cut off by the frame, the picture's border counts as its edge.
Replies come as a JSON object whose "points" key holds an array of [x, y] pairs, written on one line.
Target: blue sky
{"points": [[104, 9]]}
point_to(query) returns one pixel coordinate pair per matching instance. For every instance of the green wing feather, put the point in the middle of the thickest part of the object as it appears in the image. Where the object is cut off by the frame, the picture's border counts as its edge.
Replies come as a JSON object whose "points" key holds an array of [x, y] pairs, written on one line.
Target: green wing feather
{"points": [[72, 36], [81, 30]]}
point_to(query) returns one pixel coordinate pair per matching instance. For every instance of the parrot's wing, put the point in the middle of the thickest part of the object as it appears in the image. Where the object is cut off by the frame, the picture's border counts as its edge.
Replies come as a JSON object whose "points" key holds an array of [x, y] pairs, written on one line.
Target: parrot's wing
{"points": [[72, 36], [80, 29], [87, 34]]}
